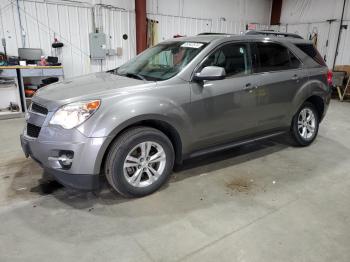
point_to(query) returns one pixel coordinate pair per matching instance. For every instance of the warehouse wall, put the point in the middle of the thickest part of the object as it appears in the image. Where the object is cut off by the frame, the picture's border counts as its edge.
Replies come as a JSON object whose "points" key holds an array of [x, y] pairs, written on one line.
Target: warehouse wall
{"points": [[236, 10], [71, 22], [296, 11], [190, 17], [308, 16]]}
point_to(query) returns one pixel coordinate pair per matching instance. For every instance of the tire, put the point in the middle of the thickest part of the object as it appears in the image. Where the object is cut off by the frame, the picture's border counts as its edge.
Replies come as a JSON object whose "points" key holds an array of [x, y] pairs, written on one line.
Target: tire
{"points": [[301, 124], [133, 173]]}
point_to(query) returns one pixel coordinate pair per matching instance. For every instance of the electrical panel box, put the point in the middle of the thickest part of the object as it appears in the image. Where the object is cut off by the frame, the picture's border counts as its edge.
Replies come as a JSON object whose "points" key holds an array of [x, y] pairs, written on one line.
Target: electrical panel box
{"points": [[97, 43]]}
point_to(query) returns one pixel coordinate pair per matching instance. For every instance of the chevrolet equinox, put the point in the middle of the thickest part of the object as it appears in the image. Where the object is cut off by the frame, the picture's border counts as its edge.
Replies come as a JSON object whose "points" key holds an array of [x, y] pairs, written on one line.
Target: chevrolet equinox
{"points": [[179, 99]]}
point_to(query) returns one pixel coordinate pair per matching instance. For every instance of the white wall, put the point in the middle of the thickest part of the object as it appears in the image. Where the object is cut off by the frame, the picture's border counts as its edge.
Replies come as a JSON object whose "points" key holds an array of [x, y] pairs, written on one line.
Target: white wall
{"points": [[308, 16], [124, 4], [301, 11], [71, 23], [236, 10], [190, 17]]}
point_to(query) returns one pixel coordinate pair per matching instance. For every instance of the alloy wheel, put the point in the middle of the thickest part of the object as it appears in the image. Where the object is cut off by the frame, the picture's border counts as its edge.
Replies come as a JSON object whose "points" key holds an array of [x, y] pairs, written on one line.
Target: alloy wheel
{"points": [[306, 124], [144, 164]]}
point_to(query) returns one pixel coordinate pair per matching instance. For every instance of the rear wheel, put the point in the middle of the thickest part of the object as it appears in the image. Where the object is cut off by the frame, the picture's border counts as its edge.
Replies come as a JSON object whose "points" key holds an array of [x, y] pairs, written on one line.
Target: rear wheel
{"points": [[139, 162], [305, 125]]}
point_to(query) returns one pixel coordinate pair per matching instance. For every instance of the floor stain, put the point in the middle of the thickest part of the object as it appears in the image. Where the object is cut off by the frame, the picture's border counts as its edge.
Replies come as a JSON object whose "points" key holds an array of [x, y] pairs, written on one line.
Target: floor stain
{"points": [[46, 187], [240, 184], [26, 180], [12, 162]]}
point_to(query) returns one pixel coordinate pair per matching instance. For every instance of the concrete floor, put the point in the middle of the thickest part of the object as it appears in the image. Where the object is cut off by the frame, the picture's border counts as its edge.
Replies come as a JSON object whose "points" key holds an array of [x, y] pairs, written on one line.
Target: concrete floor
{"points": [[262, 202]]}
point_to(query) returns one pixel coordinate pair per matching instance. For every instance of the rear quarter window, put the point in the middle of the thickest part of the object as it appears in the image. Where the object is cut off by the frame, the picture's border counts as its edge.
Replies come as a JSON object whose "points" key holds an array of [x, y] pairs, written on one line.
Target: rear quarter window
{"points": [[274, 57], [312, 52]]}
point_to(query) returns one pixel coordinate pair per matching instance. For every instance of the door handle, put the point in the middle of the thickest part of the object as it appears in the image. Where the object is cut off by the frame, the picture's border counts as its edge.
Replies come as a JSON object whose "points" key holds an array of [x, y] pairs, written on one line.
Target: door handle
{"points": [[295, 77], [249, 87]]}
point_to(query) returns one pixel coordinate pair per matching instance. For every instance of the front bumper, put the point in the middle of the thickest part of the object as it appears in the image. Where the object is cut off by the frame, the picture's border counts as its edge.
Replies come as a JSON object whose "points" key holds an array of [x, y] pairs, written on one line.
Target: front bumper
{"points": [[83, 173]]}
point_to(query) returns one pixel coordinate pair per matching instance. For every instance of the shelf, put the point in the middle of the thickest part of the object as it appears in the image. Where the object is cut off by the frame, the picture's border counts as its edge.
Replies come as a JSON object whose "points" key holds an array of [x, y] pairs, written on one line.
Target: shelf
{"points": [[30, 67], [18, 73], [10, 115]]}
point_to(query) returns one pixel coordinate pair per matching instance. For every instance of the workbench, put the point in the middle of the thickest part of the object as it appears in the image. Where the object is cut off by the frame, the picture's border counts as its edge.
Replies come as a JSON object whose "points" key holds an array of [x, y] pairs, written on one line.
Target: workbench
{"points": [[18, 74]]}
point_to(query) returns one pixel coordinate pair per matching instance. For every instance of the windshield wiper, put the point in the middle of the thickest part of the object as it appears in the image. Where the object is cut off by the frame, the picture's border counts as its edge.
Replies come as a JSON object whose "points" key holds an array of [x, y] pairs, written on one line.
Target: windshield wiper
{"points": [[134, 75]]}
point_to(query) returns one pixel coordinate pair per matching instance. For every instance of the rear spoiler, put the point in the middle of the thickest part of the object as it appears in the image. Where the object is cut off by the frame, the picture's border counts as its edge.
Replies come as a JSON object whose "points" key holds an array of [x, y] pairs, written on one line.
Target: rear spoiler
{"points": [[273, 33]]}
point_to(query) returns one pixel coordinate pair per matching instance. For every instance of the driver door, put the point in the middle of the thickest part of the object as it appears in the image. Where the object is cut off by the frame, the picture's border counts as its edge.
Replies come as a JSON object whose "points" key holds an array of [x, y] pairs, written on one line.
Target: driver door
{"points": [[224, 110]]}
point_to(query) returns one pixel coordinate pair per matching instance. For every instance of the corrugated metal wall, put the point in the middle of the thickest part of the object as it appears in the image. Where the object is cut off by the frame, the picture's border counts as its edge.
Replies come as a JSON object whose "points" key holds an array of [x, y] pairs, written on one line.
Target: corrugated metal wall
{"points": [[172, 25], [257, 11], [326, 39], [228, 26], [169, 25], [344, 46], [308, 16], [71, 24]]}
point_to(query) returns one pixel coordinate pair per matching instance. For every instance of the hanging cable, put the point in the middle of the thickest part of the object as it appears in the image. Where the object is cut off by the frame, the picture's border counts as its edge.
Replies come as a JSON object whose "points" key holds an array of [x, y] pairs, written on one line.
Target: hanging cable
{"points": [[339, 34]]}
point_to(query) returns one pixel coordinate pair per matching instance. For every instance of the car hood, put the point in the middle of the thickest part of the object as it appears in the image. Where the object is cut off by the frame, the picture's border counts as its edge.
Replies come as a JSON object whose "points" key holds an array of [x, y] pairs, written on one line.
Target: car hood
{"points": [[92, 86]]}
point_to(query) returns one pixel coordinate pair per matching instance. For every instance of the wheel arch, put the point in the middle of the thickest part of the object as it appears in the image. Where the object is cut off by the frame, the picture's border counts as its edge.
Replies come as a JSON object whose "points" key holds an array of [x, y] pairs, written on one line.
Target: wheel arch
{"points": [[314, 92], [168, 129], [319, 104]]}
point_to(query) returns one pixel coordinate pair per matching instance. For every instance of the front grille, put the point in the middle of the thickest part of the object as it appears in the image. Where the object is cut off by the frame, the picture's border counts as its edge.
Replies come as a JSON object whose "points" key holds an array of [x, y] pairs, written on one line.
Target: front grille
{"points": [[33, 130], [39, 109]]}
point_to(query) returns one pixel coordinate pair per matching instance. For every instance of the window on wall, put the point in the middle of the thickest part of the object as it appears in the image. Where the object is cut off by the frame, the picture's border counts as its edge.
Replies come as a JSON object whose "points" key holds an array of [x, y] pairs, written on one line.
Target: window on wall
{"points": [[274, 57], [232, 57]]}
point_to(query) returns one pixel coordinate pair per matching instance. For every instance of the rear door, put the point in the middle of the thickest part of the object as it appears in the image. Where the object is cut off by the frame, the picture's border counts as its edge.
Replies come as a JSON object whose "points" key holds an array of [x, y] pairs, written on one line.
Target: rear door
{"points": [[279, 75]]}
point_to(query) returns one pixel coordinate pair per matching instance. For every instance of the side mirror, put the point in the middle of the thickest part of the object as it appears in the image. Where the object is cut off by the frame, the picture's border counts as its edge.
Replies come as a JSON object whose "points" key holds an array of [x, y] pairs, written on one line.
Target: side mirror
{"points": [[210, 73]]}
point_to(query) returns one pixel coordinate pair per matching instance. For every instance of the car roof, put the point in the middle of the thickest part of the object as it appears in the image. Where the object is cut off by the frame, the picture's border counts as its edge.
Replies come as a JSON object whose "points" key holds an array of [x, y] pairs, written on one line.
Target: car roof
{"points": [[208, 38]]}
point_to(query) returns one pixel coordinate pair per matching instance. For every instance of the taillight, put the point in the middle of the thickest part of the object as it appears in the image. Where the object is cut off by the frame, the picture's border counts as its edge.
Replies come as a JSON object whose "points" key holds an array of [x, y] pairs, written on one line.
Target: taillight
{"points": [[330, 78]]}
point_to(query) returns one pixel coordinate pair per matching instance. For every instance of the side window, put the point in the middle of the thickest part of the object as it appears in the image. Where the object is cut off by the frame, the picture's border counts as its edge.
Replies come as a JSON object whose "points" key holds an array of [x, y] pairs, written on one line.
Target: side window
{"points": [[312, 52], [294, 61], [233, 57], [275, 57]]}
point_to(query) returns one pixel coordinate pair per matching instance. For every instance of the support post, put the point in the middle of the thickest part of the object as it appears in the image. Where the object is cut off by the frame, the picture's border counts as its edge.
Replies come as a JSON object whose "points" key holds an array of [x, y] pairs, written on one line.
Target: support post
{"points": [[141, 25], [276, 12]]}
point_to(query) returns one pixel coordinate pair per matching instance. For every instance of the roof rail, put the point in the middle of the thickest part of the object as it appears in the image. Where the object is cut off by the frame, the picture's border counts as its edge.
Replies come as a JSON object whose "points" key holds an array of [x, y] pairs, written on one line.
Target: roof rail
{"points": [[212, 33], [268, 32]]}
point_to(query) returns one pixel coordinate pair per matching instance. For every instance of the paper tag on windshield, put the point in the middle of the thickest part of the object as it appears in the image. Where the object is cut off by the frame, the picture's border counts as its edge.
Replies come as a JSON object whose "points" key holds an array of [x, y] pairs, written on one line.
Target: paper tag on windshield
{"points": [[192, 45]]}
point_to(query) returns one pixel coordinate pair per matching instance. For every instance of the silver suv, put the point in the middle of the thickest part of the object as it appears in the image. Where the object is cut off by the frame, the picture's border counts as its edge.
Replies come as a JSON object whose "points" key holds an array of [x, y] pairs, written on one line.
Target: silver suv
{"points": [[182, 98]]}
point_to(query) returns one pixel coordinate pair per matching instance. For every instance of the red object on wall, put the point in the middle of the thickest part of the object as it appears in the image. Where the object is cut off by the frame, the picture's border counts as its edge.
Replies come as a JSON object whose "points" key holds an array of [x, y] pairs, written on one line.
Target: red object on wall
{"points": [[141, 25]]}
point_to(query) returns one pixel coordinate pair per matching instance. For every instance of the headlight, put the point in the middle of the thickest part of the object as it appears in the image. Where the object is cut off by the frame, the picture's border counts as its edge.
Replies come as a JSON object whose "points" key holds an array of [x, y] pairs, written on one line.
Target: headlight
{"points": [[72, 115]]}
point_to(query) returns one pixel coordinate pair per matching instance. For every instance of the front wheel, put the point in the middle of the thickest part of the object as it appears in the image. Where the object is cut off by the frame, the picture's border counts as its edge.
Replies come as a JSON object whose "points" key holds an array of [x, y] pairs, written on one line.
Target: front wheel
{"points": [[139, 162], [305, 125]]}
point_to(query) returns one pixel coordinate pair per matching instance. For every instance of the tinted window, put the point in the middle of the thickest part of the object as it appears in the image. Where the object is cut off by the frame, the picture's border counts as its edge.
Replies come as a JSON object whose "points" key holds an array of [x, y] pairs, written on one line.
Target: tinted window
{"points": [[233, 57], [275, 57], [294, 61], [312, 52]]}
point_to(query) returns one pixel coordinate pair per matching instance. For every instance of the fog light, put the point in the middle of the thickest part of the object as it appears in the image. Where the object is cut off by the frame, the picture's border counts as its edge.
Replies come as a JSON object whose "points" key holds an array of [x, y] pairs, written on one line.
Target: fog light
{"points": [[65, 159]]}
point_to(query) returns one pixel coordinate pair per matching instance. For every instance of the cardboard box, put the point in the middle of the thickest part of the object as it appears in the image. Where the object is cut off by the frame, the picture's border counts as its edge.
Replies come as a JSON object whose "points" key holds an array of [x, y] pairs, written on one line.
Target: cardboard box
{"points": [[345, 68]]}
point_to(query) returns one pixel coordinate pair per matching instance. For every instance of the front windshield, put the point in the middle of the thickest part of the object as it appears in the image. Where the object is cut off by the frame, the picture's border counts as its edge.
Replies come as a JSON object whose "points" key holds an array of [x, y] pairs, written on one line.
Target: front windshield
{"points": [[162, 61]]}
